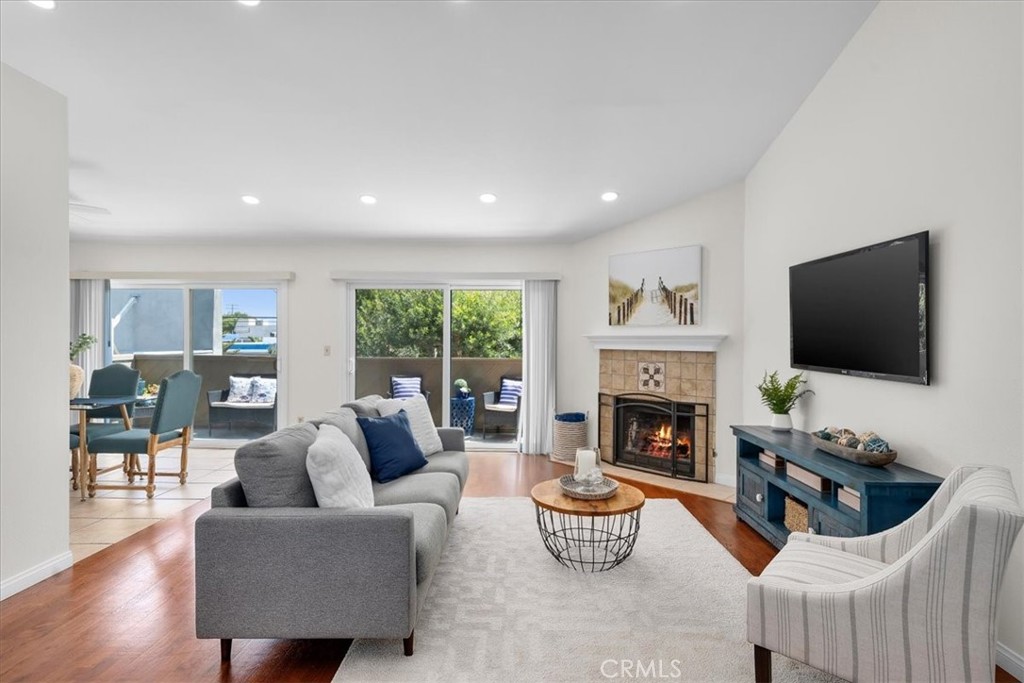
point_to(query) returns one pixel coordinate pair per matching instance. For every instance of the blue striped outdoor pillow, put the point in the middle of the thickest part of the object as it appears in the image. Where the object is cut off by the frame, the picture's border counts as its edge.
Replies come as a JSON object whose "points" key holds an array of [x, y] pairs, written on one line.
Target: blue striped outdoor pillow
{"points": [[511, 390], [405, 387]]}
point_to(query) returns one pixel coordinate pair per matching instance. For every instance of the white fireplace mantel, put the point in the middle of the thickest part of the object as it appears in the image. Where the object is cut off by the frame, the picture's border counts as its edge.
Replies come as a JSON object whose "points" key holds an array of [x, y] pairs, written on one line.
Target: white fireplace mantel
{"points": [[656, 341]]}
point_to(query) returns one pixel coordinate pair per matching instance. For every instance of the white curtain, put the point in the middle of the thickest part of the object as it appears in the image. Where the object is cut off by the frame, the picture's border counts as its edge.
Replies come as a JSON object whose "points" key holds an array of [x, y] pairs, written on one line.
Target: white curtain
{"points": [[540, 320], [87, 317]]}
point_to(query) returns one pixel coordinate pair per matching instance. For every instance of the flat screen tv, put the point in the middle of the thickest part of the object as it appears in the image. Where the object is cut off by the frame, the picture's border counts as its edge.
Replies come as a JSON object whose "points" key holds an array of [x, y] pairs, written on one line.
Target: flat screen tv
{"points": [[863, 312]]}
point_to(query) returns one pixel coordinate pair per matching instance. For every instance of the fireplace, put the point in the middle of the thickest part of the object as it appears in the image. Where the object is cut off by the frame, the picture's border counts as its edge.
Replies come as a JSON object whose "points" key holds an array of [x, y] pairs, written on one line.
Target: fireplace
{"points": [[658, 435]]}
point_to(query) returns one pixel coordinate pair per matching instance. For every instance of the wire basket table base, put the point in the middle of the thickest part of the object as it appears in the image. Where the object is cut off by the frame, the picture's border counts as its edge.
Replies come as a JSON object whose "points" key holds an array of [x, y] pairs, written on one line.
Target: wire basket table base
{"points": [[588, 543]]}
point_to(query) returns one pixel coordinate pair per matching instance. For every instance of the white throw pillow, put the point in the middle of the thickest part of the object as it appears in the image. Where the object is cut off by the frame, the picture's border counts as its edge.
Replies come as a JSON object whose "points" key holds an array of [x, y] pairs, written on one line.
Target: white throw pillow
{"points": [[239, 389], [339, 475], [418, 412]]}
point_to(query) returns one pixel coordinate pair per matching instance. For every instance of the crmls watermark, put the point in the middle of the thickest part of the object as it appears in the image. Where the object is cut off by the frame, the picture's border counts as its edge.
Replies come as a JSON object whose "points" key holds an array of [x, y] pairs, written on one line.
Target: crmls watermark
{"points": [[636, 668]]}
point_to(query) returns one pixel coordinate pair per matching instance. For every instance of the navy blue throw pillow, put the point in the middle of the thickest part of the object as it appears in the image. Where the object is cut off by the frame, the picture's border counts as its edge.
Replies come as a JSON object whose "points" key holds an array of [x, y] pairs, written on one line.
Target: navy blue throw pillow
{"points": [[393, 448]]}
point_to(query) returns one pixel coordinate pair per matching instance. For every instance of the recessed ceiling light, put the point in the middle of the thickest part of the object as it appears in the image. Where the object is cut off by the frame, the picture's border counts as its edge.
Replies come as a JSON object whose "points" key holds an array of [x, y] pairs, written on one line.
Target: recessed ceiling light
{"points": [[609, 196], [45, 4], [488, 198], [368, 199], [249, 3], [249, 199]]}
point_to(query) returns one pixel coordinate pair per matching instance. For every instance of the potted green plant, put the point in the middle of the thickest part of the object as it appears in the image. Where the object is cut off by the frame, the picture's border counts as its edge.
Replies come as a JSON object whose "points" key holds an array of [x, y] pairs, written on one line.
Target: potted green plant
{"points": [[463, 387], [76, 375], [780, 397]]}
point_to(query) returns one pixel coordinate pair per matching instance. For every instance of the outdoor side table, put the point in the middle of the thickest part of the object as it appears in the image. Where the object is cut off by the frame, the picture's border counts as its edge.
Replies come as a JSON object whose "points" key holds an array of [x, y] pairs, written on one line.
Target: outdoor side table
{"points": [[463, 412]]}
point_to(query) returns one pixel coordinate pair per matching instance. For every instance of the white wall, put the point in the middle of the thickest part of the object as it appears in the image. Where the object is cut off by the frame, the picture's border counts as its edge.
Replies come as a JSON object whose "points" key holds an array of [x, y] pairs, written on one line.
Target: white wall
{"points": [[316, 311], [714, 220], [916, 126], [34, 308]]}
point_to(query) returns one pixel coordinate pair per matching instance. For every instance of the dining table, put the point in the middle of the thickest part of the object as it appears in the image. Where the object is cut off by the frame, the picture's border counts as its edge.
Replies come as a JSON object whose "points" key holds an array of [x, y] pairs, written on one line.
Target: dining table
{"points": [[83, 406]]}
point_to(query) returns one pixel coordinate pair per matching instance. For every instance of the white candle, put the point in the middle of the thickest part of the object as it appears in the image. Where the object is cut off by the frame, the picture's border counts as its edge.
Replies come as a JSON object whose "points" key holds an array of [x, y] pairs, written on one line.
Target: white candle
{"points": [[586, 460]]}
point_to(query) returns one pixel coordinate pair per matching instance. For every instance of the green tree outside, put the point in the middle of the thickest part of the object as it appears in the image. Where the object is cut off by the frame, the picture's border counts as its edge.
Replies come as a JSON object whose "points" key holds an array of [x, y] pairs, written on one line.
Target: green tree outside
{"points": [[409, 323], [229, 320]]}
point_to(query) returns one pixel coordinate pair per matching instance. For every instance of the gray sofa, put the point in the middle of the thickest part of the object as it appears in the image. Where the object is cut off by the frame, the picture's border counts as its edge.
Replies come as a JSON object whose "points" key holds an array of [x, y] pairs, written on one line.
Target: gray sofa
{"points": [[299, 571]]}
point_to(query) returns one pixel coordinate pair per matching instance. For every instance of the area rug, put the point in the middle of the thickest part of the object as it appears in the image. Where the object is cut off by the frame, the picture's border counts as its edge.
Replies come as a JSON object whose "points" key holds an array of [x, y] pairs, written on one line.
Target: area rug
{"points": [[502, 609]]}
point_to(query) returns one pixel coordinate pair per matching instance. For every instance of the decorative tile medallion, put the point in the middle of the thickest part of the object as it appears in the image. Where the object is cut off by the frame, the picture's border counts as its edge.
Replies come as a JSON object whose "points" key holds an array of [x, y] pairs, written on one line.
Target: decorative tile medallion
{"points": [[651, 376]]}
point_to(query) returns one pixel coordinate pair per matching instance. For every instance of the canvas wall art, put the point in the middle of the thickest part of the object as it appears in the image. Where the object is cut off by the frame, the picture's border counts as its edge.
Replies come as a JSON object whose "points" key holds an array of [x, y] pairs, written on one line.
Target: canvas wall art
{"points": [[655, 288]]}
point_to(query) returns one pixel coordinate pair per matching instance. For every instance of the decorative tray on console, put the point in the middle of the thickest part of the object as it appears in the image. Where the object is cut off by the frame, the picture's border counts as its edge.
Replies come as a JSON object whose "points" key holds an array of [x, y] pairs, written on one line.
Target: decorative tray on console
{"points": [[577, 489], [853, 455]]}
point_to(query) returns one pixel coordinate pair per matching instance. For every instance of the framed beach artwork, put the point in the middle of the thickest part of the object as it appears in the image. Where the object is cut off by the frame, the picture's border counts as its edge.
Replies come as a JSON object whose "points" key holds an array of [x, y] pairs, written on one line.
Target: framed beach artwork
{"points": [[655, 288]]}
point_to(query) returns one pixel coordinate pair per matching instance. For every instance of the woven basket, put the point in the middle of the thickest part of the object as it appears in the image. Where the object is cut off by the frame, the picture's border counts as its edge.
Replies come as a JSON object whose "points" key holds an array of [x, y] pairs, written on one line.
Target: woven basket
{"points": [[568, 437], [796, 515]]}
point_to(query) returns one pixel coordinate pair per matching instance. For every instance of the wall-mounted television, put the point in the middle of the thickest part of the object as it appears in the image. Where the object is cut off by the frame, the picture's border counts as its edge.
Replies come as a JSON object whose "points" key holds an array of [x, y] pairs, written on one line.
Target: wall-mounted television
{"points": [[863, 312]]}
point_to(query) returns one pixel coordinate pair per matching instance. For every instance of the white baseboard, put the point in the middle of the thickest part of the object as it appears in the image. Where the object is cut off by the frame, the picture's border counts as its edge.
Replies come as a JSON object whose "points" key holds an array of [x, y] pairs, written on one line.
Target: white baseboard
{"points": [[1011, 662], [34, 575], [726, 479]]}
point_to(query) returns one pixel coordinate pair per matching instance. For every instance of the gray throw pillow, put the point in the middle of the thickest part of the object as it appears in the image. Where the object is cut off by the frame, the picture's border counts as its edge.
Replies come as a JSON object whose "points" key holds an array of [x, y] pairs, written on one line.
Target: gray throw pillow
{"points": [[272, 470], [336, 471], [420, 419], [345, 420], [365, 406]]}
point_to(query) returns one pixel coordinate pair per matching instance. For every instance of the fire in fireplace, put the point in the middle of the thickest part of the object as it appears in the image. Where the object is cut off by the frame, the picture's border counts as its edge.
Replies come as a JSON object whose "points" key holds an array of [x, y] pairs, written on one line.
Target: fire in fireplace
{"points": [[655, 434]]}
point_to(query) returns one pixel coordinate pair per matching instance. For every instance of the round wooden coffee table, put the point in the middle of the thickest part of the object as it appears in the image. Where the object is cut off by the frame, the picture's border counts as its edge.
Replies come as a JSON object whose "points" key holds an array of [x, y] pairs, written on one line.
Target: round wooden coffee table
{"points": [[588, 535]]}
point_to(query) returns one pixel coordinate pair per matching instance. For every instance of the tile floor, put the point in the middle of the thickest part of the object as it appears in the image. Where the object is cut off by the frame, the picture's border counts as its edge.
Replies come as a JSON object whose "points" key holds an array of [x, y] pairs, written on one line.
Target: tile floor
{"points": [[114, 515]]}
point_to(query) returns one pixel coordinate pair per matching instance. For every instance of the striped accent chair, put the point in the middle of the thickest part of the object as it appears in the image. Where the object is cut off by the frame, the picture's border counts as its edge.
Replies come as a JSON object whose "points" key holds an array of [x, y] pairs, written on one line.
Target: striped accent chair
{"points": [[915, 602], [407, 386]]}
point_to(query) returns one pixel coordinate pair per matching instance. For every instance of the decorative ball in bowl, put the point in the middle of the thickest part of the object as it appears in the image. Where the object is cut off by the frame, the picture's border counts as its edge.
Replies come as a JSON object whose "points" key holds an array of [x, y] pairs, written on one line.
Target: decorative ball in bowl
{"points": [[866, 448]]}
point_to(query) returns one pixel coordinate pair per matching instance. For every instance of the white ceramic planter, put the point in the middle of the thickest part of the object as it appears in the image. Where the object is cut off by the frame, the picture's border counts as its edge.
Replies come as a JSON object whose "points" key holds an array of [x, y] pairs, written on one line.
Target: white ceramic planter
{"points": [[782, 423], [76, 378]]}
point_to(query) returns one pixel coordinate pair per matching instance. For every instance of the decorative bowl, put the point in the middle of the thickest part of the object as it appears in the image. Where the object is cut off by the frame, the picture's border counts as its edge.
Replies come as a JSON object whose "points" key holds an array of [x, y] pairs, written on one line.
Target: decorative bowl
{"points": [[576, 489], [853, 455]]}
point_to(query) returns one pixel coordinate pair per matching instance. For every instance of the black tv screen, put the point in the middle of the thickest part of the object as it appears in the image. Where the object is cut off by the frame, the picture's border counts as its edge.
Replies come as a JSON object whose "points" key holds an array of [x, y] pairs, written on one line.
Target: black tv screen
{"points": [[863, 312]]}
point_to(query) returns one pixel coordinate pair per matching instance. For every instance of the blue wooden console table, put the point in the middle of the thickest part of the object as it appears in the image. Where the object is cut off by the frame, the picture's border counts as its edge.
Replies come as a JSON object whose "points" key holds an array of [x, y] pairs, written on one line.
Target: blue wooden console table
{"points": [[888, 495]]}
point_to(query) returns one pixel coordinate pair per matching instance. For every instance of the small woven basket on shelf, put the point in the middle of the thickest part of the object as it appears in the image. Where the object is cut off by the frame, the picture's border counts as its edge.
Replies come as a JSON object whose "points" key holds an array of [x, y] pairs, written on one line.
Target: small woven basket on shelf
{"points": [[796, 515], [568, 436]]}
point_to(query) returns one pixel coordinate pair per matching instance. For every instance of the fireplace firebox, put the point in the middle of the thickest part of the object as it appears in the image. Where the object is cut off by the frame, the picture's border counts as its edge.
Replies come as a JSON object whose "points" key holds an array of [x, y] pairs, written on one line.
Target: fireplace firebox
{"points": [[654, 434]]}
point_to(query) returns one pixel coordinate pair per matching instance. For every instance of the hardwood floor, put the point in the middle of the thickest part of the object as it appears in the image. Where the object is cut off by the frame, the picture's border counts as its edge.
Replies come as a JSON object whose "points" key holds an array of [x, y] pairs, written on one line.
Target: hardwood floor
{"points": [[127, 612]]}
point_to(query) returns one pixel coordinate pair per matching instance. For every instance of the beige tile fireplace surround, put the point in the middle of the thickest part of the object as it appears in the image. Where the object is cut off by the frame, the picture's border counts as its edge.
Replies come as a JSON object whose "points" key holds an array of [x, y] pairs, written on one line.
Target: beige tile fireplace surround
{"points": [[689, 376]]}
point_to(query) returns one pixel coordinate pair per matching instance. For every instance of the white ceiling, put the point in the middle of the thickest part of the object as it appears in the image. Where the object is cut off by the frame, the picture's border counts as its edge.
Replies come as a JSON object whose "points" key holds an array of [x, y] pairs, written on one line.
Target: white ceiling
{"points": [[179, 108]]}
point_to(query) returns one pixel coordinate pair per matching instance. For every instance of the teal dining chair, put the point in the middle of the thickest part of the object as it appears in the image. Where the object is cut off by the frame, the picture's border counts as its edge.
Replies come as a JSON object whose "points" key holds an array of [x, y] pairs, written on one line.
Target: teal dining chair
{"points": [[171, 426], [113, 380], [73, 444]]}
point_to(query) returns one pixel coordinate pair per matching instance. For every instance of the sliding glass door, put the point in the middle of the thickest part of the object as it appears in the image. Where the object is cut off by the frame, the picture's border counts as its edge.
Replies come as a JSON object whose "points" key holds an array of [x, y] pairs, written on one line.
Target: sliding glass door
{"points": [[227, 334], [441, 335], [486, 347], [400, 336]]}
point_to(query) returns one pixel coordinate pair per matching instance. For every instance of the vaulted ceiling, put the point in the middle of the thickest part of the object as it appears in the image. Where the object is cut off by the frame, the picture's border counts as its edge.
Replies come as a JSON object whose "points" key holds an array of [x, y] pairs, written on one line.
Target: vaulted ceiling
{"points": [[177, 109]]}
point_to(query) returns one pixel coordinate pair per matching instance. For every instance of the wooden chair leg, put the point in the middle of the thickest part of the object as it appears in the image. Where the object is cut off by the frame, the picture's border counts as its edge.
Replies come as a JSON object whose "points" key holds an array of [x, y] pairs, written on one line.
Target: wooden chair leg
{"points": [[762, 664], [225, 649], [186, 435], [407, 644], [74, 469], [151, 467], [92, 475]]}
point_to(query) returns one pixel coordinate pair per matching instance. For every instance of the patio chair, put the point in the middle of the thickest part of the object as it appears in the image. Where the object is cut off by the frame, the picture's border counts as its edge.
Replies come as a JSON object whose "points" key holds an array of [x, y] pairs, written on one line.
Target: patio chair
{"points": [[171, 426], [502, 406], [224, 410], [406, 386], [915, 602], [113, 380]]}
